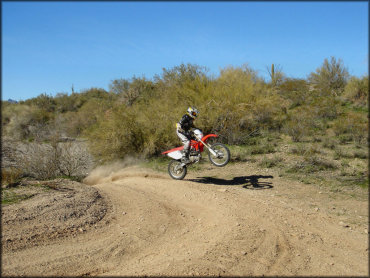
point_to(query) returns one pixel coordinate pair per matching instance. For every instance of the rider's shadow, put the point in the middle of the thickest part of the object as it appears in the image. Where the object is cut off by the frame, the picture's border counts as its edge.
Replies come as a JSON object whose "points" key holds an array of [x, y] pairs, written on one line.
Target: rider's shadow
{"points": [[248, 182]]}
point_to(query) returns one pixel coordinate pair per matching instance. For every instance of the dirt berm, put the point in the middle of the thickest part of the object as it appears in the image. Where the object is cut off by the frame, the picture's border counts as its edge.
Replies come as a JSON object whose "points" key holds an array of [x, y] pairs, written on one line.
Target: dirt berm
{"points": [[236, 220]]}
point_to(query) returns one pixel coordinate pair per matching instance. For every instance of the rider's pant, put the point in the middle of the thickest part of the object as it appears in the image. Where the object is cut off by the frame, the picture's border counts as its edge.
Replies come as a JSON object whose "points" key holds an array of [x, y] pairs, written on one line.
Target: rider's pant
{"points": [[185, 140]]}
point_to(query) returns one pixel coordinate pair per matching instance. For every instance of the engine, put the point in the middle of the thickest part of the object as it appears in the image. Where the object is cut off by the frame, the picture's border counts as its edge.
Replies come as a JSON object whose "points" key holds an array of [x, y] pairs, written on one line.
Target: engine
{"points": [[194, 156]]}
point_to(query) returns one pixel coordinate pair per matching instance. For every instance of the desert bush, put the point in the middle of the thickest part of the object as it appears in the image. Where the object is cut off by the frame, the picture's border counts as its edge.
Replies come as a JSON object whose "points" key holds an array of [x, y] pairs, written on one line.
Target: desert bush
{"points": [[352, 126], [357, 91], [295, 92], [19, 117], [270, 162], [262, 149], [345, 138], [22, 121], [311, 164], [290, 85], [36, 160], [74, 160], [340, 153], [239, 153], [45, 161], [10, 196], [361, 154], [300, 123], [75, 123], [324, 108], [116, 135], [42, 101], [331, 77], [303, 149], [182, 75], [269, 112], [351, 171], [10, 175], [329, 143], [131, 90], [65, 102]]}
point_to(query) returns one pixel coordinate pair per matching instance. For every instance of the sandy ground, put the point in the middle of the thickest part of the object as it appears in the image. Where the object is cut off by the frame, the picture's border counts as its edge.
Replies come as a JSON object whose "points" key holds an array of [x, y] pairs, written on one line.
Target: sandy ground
{"points": [[235, 220]]}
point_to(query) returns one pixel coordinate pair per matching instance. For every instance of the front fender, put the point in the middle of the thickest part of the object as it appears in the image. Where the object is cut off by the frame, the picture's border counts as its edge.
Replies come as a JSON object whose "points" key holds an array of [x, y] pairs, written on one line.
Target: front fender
{"points": [[205, 138]]}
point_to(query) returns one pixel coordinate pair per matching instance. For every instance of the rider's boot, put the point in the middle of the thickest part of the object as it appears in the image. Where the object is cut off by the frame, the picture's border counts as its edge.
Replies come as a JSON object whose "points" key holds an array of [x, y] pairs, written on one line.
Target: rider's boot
{"points": [[185, 157]]}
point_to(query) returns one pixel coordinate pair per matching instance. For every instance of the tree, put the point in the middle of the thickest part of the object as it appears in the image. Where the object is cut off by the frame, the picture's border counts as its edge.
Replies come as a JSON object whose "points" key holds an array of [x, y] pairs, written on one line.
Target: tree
{"points": [[183, 74], [130, 90], [331, 77]]}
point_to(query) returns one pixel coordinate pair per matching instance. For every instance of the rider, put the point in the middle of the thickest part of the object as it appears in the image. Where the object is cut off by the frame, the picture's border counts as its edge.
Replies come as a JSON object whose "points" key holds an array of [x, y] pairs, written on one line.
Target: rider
{"points": [[183, 130]]}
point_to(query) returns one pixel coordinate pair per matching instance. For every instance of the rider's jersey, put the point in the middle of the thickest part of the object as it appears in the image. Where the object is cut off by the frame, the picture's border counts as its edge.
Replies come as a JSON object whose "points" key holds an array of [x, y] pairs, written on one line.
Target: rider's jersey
{"points": [[186, 123]]}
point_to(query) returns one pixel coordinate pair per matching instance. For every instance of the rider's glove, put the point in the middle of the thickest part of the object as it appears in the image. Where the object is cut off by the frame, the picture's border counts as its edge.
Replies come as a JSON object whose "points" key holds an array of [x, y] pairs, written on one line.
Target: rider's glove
{"points": [[192, 135]]}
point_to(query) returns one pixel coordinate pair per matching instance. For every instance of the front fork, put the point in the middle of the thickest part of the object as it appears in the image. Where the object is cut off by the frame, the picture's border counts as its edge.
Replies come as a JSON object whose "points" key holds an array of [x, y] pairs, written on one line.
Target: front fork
{"points": [[208, 147]]}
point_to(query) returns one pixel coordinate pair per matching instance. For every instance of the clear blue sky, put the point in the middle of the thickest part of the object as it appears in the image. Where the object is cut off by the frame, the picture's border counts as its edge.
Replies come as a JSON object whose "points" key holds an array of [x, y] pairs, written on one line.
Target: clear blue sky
{"points": [[48, 46]]}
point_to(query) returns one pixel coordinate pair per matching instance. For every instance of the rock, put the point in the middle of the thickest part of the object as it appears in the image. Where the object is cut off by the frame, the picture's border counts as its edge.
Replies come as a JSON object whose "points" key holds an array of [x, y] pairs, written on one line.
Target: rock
{"points": [[343, 224], [124, 213], [317, 209], [223, 190]]}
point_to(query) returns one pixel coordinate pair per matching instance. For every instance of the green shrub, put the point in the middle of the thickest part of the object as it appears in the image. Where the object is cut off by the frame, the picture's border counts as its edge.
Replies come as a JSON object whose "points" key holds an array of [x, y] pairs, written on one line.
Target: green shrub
{"points": [[262, 149], [303, 149], [270, 162], [352, 126], [345, 138], [300, 123], [361, 154], [312, 164], [357, 91], [340, 153], [324, 108], [239, 153], [331, 77], [8, 196], [329, 143], [10, 175]]}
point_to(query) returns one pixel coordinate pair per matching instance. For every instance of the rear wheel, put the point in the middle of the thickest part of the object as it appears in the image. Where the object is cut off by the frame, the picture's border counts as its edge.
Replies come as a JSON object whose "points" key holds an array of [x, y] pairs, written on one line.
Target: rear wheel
{"points": [[222, 155], [176, 170]]}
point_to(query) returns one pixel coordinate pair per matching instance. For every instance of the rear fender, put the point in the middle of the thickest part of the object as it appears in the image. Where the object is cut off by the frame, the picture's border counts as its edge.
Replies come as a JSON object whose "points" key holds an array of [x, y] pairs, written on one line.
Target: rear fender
{"points": [[173, 150], [175, 155]]}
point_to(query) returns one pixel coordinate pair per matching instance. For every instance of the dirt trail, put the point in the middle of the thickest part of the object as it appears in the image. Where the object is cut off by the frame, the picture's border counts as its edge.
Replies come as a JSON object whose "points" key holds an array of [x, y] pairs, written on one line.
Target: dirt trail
{"points": [[229, 221]]}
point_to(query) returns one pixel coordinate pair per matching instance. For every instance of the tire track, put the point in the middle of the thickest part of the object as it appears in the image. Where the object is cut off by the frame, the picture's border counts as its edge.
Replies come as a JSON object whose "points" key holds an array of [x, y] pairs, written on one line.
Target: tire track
{"points": [[158, 226]]}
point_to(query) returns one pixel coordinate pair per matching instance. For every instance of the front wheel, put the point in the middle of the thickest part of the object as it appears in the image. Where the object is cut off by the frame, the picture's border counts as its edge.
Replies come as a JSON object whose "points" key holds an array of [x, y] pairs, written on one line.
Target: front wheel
{"points": [[176, 170], [222, 157]]}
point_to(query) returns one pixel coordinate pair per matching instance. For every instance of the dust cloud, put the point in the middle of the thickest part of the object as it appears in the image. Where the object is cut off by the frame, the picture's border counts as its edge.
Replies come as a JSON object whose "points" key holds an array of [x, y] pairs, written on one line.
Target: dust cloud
{"points": [[110, 172]]}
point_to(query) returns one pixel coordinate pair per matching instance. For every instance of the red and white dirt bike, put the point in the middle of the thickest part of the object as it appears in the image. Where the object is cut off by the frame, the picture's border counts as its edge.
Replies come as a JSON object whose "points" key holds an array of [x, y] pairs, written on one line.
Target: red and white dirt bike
{"points": [[218, 154]]}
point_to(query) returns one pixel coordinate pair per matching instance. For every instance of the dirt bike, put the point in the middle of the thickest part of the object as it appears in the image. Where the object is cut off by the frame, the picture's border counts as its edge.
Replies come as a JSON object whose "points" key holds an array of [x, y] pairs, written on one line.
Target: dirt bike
{"points": [[218, 154]]}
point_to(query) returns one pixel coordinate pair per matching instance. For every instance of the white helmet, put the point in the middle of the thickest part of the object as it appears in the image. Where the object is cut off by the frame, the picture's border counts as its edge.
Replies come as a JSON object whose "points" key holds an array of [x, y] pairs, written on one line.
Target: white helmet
{"points": [[193, 112]]}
